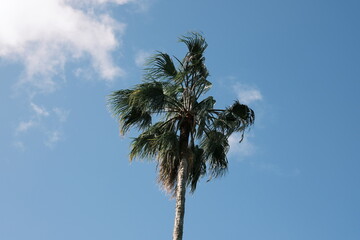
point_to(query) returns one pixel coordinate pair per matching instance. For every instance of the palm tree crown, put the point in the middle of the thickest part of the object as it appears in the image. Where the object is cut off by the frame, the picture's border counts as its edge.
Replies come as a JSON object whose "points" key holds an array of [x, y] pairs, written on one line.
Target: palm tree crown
{"points": [[189, 129]]}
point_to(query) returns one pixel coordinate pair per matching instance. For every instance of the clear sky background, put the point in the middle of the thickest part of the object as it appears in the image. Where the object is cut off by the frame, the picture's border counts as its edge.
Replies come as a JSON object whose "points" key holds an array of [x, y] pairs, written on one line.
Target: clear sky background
{"points": [[64, 170]]}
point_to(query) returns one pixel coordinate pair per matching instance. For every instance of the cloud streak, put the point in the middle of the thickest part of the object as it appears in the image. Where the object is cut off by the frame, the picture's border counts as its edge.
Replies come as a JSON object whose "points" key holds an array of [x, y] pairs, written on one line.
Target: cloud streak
{"points": [[141, 57], [39, 119], [275, 169], [24, 126], [247, 94], [61, 114], [244, 149], [40, 111], [52, 138]]}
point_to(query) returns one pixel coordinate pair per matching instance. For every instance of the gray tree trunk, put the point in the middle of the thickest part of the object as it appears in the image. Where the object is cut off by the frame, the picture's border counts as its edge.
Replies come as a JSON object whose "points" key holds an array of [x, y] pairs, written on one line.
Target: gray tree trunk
{"points": [[180, 200], [181, 182]]}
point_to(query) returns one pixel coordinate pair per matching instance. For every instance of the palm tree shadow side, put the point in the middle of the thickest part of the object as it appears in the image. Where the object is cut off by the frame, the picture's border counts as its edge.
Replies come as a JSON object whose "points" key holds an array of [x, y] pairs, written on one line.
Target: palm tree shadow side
{"points": [[191, 138]]}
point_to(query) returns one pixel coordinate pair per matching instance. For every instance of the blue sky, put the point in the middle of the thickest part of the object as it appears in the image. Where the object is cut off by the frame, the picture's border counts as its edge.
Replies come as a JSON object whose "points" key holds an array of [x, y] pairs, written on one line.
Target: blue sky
{"points": [[64, 170]]}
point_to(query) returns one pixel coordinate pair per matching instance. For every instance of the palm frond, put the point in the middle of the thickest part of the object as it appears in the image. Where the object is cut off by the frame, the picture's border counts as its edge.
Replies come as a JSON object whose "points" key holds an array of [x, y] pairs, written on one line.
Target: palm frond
{"points": [[195, 43], [118, 101], [202, 117], [160, 142], [202, 85], [134, 117], [197, 167], [144, 146], [160, 66], [236, 118], [157, 138], [127, 114], [243, 112], [168, 165], [216, 146], [148, 96]]}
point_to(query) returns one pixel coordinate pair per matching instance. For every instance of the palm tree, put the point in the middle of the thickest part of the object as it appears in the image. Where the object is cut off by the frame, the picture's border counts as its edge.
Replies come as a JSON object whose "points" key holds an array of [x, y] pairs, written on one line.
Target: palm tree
{"points": [[190, 138]]}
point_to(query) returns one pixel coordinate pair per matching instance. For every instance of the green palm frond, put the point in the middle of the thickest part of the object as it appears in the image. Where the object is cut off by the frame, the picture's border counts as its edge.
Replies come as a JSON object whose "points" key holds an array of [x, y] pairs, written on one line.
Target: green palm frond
{"points": [[202, 85], [144, 146], [160, 66], [160, 142], [216, 146], [197, 167], [205, 105], [168, 165], [157, 138], [148, 96], [236, 118], [128, 115], [195, 43], [134, 117], [243, 112], [118, 101], [203, 117]]}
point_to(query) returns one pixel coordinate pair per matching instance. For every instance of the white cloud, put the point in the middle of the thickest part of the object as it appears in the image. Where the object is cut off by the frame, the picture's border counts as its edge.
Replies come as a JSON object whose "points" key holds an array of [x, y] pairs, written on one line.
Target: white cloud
{"points": [[35, 120], [120, 2], [141, 57], [243, 149], [40, 111], [52, 138], [247, 94], [61, 114], [25, 126], [46, 34], [48, 123], [275, 169], [140, 5], [19, 145]]}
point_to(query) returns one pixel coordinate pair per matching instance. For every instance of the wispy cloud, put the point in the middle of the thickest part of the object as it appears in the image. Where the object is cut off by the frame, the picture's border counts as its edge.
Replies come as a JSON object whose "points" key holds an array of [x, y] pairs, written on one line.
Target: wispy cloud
{"points": [[247, 94], [52, 138], [241, 150], [24, 126], [39, 111], [19, 145], [275, 169], [61, 114], [141, 57], [99, 1], [44, 35], [40, 118]]}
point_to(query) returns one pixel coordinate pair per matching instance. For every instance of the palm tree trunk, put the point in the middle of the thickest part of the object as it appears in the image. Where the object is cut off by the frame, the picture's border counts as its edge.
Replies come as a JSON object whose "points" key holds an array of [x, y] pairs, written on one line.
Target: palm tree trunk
{"points": [[181, 182], [180, 201]]}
